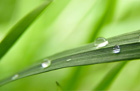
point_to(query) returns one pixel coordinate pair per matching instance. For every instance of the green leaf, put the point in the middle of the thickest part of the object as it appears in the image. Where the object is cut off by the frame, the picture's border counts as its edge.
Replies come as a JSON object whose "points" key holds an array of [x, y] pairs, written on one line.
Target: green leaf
{"points": [[16, 32], [87, 55]]}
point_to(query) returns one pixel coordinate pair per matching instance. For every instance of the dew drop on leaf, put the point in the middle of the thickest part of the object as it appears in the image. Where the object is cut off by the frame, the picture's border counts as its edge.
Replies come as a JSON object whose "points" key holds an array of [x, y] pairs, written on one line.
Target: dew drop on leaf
{"points": [[15, 76], [116, 49], [46, 63], [100, 42], [68, 60]]}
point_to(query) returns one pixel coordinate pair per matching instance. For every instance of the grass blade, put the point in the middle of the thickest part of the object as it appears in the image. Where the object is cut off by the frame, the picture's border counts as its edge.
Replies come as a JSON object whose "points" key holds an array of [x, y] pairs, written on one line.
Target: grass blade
{"points": [[16, 32], [87, 55]]}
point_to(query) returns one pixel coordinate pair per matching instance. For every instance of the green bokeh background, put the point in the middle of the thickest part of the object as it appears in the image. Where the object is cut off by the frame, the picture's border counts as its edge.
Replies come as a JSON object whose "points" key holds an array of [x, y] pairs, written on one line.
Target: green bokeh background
{"points": [[66, 24]]}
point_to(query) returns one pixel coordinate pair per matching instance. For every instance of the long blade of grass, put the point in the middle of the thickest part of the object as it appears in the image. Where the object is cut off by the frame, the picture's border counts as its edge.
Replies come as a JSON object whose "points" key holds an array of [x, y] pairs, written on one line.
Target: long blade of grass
{"points": [[16, 32], [87, 55]]}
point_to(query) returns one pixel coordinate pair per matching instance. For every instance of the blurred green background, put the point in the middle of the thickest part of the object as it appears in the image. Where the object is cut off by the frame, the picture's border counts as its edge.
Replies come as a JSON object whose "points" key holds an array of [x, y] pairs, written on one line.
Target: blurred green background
{"points": [[67, 24]]}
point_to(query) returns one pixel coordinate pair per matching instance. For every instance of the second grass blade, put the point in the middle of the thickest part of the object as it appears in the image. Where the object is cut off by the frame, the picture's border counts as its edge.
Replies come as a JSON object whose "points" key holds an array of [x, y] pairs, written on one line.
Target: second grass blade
{"points": [[16, 32]]}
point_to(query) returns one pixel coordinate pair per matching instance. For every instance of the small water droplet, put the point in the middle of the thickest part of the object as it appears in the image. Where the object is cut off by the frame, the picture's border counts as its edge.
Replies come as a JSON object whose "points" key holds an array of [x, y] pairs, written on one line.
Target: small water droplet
{"points": [[116, 49], [46, 63], [68, 60], [15, 76], [100, 42]]}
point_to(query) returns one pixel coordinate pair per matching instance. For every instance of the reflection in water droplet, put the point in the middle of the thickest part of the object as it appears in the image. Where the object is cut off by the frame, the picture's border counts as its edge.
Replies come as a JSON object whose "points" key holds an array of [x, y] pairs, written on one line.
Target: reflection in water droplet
{"points": [[100, 42], [68, 60], [116, 49], [15, 76], [46, 63]]}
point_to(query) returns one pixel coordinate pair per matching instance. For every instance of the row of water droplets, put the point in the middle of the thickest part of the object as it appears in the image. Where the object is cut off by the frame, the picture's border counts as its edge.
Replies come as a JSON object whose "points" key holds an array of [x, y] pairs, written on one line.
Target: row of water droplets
{"points": [[45, 64], [102, 42], [99, 42]]}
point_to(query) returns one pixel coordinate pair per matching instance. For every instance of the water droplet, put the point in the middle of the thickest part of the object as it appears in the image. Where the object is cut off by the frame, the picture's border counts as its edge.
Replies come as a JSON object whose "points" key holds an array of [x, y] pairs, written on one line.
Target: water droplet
{"points": [[15, 76], [100, 42], [116, 49], [68, 60], [46, 63]]}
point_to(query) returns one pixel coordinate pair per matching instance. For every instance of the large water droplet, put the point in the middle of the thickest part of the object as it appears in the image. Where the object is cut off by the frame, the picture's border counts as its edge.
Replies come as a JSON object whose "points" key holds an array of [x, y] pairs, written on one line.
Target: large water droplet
{"points": [[116, 49], [100, 42], [46, 63], [68, 60], [15, 76]]}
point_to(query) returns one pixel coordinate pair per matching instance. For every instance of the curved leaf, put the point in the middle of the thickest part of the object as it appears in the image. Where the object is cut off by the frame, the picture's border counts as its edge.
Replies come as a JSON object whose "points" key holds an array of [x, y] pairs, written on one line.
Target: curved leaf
{"points": [[87, 55]]}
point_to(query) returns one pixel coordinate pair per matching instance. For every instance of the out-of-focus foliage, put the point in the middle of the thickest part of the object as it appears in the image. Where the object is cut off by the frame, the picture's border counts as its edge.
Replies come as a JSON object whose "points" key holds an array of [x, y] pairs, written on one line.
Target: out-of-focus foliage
{"points": [[64, 25], [9, 6]]}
